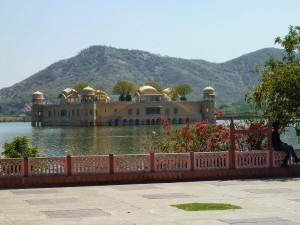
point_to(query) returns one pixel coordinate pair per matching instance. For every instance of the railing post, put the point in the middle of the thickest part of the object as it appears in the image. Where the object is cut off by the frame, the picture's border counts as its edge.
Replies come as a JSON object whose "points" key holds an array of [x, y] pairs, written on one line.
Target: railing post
{"points": [[270, 147], [26, 168], [111, 163], [69, 165], [152, 160], [192, 156], [232, 146]]}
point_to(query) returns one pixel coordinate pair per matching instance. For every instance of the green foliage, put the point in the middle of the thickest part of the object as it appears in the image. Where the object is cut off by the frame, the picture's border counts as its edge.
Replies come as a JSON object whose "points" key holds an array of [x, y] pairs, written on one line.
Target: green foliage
{"points": [[183, 90], [203, 137], [157, 86], [278, 90], [254, 140], [19, 148], [240, 109], [196, 137], [124, 89], [291, 43], [205, 206]]}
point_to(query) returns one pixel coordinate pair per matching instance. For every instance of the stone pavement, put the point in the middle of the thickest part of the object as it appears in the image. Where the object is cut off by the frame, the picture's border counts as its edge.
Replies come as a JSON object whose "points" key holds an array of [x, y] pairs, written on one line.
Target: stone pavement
{"points": [[263, 202]]}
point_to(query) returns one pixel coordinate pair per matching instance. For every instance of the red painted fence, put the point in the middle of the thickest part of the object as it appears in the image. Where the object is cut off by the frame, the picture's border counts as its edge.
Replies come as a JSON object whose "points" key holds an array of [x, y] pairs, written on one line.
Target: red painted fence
{"points": [[153, 167]]}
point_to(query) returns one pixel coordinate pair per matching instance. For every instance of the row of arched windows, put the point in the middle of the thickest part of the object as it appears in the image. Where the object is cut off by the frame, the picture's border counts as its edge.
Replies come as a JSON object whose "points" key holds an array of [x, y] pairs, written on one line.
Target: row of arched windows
{"points": [[126, 122]]}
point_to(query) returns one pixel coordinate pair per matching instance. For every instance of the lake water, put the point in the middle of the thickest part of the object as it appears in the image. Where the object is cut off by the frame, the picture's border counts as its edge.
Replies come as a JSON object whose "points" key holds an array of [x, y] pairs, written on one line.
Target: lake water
{"points": [[61, 141]]}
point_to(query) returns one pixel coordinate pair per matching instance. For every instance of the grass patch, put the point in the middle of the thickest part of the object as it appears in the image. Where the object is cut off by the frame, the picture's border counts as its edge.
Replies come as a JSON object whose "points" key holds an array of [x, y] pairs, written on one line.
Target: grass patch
{"points": [[205, 206]]}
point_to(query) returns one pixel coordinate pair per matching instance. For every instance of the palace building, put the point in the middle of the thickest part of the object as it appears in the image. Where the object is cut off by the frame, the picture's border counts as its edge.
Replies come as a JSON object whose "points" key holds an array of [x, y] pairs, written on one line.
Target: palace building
{"points": [[94, 108]]}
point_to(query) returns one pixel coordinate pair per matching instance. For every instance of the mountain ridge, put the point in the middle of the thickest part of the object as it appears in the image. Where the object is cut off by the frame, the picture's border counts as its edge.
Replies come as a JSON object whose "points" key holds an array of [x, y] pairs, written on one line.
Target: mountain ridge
{"points": [[104, 66]]}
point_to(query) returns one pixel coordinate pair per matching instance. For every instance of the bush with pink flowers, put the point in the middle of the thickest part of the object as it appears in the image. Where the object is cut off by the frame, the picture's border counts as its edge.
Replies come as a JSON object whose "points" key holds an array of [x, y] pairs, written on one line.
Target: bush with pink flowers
{"points": [[203, 137]]}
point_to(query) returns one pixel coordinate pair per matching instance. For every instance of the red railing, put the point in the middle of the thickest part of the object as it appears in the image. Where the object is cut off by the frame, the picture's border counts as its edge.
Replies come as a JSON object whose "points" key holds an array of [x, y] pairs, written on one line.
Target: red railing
{"points": [[168, 162], [77, 167]]}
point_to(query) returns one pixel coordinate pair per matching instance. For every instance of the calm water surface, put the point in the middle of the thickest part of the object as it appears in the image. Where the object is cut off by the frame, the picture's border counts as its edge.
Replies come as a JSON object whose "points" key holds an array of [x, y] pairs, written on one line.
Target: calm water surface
{"points": [[61, 141]]}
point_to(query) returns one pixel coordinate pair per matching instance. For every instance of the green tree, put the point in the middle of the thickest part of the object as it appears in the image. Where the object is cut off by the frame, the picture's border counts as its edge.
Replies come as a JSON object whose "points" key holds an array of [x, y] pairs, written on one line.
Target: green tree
{"points": [[125, 89], [278, 90], [183, 90], [157, 86], [19, 148]]}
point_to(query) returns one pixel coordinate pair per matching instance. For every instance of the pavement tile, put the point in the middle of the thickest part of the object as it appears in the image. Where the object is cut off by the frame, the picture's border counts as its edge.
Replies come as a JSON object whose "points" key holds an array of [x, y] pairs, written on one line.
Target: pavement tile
{"points": [[261, 221], [79, 213], [52, 201], [167, 196], [35, 191], [271, 190], [150, 204], [135, 187]]}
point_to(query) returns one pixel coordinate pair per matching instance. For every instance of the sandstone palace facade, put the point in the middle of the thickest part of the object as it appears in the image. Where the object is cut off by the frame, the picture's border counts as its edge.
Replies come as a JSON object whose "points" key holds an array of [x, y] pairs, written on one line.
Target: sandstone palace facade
{"points": [[94, 108]]}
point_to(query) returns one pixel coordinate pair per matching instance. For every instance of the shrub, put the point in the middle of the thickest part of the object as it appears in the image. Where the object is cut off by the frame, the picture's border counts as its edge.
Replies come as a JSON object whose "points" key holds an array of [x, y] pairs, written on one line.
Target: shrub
{"points": [[203, 137], [19, 148]]}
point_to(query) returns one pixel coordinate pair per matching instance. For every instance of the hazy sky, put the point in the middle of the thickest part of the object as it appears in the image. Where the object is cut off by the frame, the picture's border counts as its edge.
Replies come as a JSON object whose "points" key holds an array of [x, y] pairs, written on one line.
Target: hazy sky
{"points": [[37, 33]]}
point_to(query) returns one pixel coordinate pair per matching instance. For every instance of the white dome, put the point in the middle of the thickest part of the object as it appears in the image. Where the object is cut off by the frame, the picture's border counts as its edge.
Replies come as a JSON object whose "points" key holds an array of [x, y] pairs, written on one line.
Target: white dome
{"points": [[209, 90], [147, 90], [38, 96], [88, 91], [69, 93]]}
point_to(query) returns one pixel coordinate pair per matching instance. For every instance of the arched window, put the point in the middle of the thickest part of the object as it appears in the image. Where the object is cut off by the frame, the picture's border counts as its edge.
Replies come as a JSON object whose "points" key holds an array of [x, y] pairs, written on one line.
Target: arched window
{"points": [[180, 121], [130, 122], [137, 122]]}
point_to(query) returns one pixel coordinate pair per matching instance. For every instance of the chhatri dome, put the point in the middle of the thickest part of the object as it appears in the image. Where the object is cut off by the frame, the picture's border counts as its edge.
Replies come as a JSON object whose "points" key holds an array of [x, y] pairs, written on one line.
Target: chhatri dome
{"points": [[147, 90], [208, 93], [38, 96], [102, 96], [147, 93], [69, 93], [88, 91]]}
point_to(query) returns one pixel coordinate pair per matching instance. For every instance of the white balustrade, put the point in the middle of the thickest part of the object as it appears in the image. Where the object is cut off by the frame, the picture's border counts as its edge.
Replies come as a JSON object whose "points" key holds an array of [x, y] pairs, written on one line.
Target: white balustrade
{"points": [[211, 160]]}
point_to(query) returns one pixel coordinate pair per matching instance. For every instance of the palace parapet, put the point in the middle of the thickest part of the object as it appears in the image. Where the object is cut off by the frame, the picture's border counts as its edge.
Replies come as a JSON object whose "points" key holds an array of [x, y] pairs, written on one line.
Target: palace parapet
{"points": [[94, 108]]}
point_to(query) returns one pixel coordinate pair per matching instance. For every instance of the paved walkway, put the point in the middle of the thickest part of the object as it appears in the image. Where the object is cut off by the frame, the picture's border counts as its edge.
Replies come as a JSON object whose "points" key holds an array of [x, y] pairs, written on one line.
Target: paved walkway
{"points": [[262, 201]]}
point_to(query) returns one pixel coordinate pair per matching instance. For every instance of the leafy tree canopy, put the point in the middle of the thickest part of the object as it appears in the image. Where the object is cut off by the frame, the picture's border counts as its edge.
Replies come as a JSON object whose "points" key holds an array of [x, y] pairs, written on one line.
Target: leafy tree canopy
{"points": [[157, 86], [19, 148], [124, 89], [278, 90], [183, 90]]}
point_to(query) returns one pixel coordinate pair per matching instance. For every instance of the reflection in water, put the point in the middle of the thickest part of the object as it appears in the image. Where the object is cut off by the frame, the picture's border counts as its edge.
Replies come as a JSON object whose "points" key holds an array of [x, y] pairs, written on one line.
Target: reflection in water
{"points": [[61, 141]]}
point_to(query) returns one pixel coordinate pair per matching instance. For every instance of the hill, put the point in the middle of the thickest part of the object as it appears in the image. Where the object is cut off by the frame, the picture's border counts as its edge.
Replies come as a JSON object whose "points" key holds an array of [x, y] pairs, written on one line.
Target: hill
{"points": [[105, 66]]}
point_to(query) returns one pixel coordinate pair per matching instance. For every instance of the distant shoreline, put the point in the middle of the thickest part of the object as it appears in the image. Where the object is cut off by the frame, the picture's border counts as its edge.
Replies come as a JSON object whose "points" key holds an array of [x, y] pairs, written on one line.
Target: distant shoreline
{"points": [[4, 119]]}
